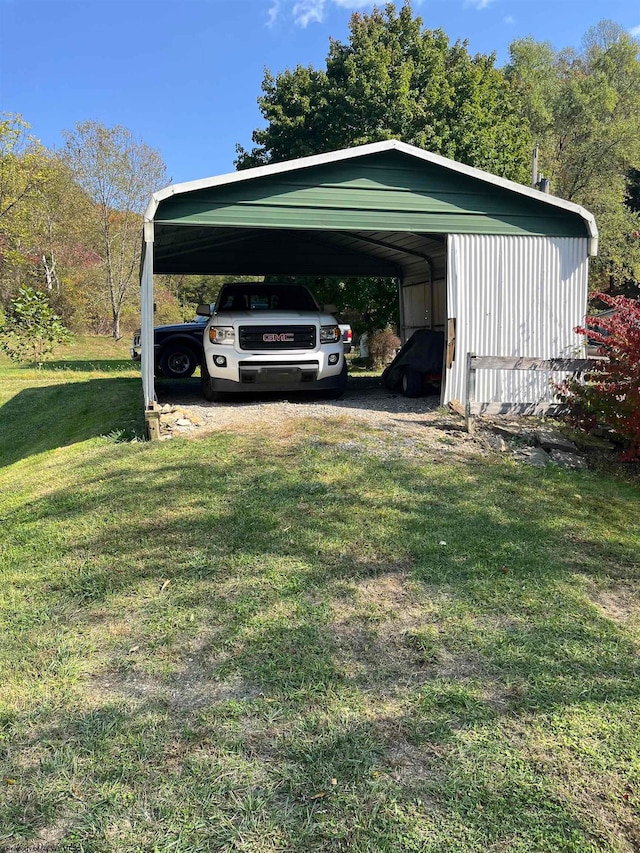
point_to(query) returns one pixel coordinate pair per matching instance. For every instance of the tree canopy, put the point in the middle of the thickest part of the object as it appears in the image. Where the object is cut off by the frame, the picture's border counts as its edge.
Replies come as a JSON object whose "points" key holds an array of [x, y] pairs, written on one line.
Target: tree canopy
{"points": [[582, 107], [394, 79]]}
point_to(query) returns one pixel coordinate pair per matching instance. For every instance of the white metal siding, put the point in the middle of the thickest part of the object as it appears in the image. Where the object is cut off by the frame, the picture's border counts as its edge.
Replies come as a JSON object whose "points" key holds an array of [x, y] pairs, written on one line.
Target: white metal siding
{"points": [[423, 291], [514, 296]]}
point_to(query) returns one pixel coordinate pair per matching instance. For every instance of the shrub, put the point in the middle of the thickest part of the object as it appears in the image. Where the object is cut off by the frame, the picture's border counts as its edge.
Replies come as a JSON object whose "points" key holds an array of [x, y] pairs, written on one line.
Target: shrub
{"points": [[382, 346], [611, 394], [30, 328]]}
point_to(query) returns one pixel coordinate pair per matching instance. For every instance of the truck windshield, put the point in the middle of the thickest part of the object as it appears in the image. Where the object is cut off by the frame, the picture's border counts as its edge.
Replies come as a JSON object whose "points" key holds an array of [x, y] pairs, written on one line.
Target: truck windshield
{"points": [[266, 297]]}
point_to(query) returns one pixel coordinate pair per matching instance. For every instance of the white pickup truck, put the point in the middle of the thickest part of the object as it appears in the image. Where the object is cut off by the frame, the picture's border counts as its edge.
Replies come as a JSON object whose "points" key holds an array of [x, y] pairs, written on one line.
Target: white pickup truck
{"points": [[270, 337]]}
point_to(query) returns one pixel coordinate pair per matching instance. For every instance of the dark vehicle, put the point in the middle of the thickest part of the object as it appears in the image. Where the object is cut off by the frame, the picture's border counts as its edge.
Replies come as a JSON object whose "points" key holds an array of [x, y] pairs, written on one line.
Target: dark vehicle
{"points": [[177, 348], [417, 369], [347, 336]]}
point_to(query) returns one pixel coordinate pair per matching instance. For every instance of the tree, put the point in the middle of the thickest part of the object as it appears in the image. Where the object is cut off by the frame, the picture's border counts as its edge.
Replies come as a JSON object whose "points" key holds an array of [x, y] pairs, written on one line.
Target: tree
{"points": [[30, 328], [118, 174], [45, 240], [394, 79], [583, 107], [369, 304], [23, 173]]}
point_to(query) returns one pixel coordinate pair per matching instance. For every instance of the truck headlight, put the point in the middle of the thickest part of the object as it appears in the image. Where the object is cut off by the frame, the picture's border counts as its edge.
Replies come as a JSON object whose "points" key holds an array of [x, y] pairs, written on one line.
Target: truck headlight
{"points": [[330, 334], [221, 334]]}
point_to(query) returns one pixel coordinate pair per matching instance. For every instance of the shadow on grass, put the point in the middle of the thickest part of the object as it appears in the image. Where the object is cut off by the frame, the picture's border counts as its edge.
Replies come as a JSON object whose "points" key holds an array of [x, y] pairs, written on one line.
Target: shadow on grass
{"points": [[139, 777], [262, 545], [225, 510], [42, 418]]}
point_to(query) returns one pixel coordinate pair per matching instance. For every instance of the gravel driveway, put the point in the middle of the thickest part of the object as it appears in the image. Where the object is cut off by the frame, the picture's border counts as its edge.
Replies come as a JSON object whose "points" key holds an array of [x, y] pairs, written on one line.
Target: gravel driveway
{"points": [[417, 426], [365, 401]]}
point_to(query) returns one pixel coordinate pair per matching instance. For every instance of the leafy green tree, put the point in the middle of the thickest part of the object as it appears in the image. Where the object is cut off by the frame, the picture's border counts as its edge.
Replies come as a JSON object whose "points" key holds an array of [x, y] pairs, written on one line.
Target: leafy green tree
{"points": [[60, 236], [118, 174], [30, 329], [45, 235], [394, 79], [583, 107], [24, 170]]}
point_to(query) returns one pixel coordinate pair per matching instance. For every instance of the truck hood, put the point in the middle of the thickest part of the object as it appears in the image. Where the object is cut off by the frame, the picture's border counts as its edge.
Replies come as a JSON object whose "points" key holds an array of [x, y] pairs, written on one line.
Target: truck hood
{"points": [[268, 318], [182, 327]]}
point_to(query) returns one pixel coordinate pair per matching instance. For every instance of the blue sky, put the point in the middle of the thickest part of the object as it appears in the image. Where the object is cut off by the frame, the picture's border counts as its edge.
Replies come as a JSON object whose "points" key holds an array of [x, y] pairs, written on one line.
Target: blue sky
{"points": [[184, 75]]}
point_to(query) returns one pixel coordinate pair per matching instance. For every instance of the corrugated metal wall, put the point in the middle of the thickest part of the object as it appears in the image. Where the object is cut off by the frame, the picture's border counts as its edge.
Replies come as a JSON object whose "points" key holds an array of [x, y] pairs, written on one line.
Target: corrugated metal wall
{"points": [[514, 296], [423, 294]]}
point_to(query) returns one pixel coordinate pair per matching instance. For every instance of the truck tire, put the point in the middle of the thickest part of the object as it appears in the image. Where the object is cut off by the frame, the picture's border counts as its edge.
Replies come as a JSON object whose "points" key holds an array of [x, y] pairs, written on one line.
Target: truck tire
{"points": [[178, 362], [206, 384], [411, 383]]}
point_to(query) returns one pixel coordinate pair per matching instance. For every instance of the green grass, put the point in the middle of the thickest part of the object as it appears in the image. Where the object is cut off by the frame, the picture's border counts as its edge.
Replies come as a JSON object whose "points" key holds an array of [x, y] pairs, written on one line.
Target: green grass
{"points": [[258, 642]]}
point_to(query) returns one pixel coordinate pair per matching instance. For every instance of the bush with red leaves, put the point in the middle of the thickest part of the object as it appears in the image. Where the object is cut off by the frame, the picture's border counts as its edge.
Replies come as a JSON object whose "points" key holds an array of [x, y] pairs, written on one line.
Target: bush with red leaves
{"points": [[611, 395]]}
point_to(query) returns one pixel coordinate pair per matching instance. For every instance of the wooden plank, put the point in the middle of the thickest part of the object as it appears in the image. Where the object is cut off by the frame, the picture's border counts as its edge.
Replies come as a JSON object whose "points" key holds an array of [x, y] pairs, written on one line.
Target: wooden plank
{"points": [[517, 409], [471, 391], [152, 423], [495, 362], [451, 341]]}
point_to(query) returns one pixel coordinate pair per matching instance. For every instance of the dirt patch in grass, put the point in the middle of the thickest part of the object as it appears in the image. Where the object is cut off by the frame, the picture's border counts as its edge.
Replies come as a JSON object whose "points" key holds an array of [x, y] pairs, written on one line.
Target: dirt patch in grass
{"points": [[187, 691], [411, 765], [369, 630], [388, 638], [620, 603], [46, 841]]}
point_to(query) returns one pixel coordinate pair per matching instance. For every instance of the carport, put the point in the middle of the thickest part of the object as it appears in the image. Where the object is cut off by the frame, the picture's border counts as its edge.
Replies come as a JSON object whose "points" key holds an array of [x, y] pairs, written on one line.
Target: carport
{"points": [[501, 268]]}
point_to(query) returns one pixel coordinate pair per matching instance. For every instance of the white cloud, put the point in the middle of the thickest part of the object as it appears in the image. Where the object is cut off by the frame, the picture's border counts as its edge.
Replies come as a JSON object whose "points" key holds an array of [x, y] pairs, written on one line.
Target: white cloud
{"points": [[510, 20], [478, 4], [307, 12], [274, 11], [354, 4], [635, 31]]}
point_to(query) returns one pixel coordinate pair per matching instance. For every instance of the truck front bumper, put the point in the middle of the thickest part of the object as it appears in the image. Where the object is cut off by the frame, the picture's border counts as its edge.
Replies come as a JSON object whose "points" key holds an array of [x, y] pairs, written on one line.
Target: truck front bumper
{"points": [[244, 372]]}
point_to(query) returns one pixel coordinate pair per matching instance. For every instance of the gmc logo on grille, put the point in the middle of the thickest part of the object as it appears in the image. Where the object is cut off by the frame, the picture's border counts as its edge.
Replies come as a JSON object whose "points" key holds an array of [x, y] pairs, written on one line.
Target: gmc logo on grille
{"points": [[284, 337]]}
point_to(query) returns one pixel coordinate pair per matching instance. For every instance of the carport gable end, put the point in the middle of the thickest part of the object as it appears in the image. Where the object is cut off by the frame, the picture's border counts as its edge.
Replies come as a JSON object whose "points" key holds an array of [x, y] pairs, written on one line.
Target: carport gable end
{"points": [[386, 209]]}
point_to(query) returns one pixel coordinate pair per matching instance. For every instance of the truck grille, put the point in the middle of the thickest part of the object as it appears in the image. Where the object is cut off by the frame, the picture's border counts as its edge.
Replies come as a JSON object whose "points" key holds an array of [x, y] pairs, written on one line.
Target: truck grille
{"points": [[277, 337]]}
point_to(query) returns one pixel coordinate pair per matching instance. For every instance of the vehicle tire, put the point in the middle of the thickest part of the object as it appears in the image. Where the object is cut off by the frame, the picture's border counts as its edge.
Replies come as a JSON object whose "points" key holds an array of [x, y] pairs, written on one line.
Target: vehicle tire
{"points": [[338, 391], [178, 362], [411, 383], [206, 384]]}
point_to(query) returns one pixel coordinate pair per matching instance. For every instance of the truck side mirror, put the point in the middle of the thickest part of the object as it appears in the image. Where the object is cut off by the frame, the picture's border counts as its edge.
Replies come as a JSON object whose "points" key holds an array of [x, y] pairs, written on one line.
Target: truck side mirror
{"points": [[203, 310], [330, 309]]}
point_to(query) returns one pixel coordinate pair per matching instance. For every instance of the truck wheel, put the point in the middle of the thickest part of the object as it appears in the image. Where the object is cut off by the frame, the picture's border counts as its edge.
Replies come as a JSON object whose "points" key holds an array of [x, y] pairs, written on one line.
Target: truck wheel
{"points": [[206, 384], [411, 383], [178, 363]]}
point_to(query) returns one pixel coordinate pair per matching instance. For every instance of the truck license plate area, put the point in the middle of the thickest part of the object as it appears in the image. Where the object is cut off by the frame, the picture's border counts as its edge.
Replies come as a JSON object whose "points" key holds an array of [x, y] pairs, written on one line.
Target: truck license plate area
{"points": [[277, 375]]}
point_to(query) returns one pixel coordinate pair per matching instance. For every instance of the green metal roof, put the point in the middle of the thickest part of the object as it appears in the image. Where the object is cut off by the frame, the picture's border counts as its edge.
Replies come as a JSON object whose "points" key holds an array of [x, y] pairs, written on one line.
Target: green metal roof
{"points": [[272, 219]]}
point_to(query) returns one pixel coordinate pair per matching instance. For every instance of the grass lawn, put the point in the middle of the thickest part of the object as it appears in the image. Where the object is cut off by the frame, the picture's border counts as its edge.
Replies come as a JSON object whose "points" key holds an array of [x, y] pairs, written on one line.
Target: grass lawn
{"points": [[278, 642]]}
